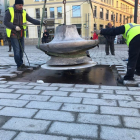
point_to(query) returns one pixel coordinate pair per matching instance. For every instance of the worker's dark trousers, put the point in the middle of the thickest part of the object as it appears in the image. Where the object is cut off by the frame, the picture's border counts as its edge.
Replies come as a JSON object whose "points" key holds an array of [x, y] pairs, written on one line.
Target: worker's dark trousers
{"points": [[111, 45], [134, 58], [18, 52]]}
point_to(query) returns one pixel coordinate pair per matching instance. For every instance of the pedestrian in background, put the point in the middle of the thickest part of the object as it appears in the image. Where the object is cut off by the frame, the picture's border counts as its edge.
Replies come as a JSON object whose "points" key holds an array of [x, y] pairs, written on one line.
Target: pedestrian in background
{"points": [[95, 37], [109, 41], [45, 36]]}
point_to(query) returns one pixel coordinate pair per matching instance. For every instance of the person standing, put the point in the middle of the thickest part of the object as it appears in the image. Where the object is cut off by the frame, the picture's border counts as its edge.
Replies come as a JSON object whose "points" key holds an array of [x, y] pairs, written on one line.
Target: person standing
{"points": [[45, 36], [15, 22], [131, 34], [109, 42], [95, 37]]}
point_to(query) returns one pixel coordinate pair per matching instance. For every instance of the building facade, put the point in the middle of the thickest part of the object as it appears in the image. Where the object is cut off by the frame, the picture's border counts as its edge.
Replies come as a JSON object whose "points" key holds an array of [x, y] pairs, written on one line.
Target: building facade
{"points": [[3, 7], [79, 13]]}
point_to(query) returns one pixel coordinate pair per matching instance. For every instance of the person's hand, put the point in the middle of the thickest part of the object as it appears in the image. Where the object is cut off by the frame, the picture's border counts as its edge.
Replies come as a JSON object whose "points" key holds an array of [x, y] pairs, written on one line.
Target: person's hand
{"points": [[98, 32], [17, 28], [45, 23]]}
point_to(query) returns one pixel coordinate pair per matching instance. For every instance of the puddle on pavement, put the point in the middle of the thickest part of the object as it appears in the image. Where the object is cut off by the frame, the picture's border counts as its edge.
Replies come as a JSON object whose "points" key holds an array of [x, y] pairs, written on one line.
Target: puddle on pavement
{"points": [[101, 75]]}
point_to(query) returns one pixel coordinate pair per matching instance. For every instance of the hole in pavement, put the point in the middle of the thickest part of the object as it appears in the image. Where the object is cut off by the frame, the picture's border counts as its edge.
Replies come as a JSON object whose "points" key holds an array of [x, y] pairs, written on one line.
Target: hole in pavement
{"points": [[99, 74]]}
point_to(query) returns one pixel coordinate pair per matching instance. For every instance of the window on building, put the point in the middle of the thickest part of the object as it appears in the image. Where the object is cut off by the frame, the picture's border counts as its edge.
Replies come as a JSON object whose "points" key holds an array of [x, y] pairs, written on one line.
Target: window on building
{"points": [[52, 12], [128, 8], [101, 13], [59, 12], [101, 26], [38, 30], [112, 15], [45, 13], [78, 26], [120, 18], [123, 19], [37, 13], [112, 2], [36, 0], [76, 11], [107, 14], [117, 4], [116, 17], [94, 27], [121, 5], [127, 19], [95, 11]]}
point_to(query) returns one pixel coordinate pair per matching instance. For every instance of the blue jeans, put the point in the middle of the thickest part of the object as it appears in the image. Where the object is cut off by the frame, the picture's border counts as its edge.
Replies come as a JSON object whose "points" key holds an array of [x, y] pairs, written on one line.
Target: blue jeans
{"points": [[18, 52]]}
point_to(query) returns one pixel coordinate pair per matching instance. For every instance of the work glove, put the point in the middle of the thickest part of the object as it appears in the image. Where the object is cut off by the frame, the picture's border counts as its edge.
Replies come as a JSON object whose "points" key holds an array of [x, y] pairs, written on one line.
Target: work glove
{"points": [[17, 28], [45, 22], [98, 32]]}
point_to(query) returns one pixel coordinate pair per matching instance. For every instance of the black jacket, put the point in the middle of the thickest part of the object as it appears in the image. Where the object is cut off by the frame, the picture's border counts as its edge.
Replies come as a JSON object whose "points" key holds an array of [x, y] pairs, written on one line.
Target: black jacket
{"points": [[108, 37], [45, 37], [113, 31], [17, 22]]}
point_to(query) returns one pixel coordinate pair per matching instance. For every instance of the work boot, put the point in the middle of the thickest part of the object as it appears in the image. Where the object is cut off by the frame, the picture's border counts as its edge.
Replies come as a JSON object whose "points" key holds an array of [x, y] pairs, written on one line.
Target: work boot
{"points": [[137, 73], [24, 66], [21, 69], [120, 81]]}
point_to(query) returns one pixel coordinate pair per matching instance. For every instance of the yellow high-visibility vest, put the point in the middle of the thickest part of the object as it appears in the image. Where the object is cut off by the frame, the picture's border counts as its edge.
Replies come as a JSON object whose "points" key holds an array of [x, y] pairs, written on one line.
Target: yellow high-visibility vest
{"points": [[11, 10], [131, 30]]}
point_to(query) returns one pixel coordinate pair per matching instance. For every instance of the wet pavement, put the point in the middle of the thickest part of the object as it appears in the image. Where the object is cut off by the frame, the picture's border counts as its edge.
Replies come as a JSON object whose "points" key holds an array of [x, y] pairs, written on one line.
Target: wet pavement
{"points": [[101, 75]]}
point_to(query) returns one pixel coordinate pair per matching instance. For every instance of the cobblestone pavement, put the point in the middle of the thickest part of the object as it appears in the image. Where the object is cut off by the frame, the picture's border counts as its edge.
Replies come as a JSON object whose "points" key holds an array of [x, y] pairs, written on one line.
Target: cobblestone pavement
{"points": [[51, 111], [31, 111], [38, 57]]}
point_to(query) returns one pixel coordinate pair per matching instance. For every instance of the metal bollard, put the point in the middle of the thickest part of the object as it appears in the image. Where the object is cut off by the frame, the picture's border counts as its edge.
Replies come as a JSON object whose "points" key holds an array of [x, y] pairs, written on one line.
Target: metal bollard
{"points": [[2, 44]]}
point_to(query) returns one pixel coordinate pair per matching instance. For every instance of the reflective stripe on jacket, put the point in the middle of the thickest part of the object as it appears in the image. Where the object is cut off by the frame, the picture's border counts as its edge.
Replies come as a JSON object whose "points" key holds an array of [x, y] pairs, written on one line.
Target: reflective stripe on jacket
{"points": [[131, 30], [11, 10]]}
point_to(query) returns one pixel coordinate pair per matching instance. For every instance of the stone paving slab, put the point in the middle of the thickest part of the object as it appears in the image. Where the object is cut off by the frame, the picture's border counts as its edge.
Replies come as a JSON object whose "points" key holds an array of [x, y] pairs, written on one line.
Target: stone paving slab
{"points": [[27, 125], [2, 79], [44, 105], [28, 91], [128, 92], [70, 129], [111, 133], [66, 99], [79, 108], [7, 135], [55, 93], [9, 96], [99, 119], [120, 111], [100, 91], [99, 102], [34, 97], [77, 94], [17, 112], [32, 136], [10, 102], [132, 104], [55, 115]]}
